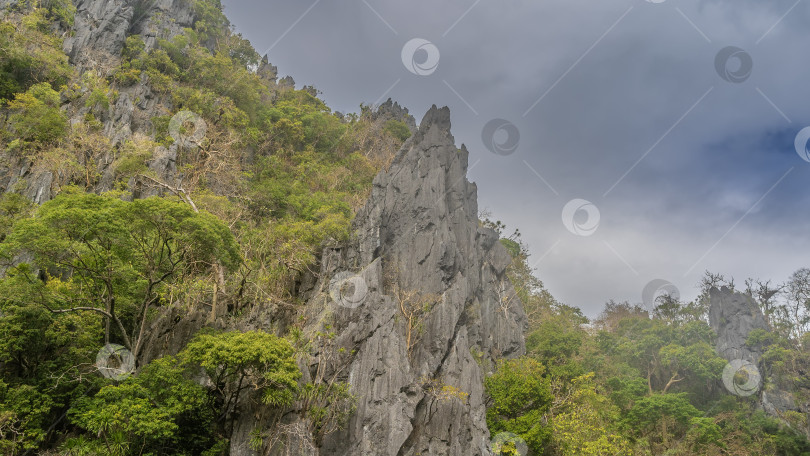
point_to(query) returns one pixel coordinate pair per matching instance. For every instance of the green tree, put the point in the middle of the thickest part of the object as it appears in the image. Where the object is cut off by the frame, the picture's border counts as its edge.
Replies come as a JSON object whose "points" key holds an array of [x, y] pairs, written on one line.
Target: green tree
{"points": [[36, 118], [13, 207], [584, 423], [45, 364], [239, 361], [697, 362], [556, 343], [665, 353], [160, 410], [397, 129], [114, 258], [660, 419], [520, 394]]}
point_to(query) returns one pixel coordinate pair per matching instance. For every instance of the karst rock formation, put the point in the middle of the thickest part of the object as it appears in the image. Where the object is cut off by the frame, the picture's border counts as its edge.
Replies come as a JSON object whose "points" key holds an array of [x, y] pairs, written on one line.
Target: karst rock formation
{"points": [[417, 242], [430, 308]]}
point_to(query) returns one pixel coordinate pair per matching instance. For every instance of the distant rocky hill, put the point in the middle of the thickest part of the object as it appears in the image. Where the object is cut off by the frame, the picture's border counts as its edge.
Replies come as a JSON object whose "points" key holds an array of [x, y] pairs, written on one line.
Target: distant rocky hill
{"points": [[734, 316]]}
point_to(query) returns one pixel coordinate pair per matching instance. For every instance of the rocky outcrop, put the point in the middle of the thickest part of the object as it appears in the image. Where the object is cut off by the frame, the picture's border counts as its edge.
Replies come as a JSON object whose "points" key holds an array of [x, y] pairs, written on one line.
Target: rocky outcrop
{"points": [[733, 316], [417, 244], [29, 179], [99, 31], [389, 110], [380, 140], [101, 26]]}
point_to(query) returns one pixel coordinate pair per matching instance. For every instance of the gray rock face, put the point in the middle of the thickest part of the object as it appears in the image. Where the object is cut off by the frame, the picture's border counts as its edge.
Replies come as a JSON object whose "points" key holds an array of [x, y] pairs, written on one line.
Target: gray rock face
{"points": [[733, 316], [34, 181], [417, 236], [99, 31], [776, 401], [101, 27], [162, 19]]}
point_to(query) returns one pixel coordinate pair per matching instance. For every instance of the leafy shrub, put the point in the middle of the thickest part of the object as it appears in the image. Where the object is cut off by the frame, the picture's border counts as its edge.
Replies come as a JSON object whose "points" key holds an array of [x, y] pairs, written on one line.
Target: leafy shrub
{"points": [[30, 55], [133, 48], [127, 76], [235, 361], [134, 154], [397, 129], [36, 115], [161, 409], [521, 394]]}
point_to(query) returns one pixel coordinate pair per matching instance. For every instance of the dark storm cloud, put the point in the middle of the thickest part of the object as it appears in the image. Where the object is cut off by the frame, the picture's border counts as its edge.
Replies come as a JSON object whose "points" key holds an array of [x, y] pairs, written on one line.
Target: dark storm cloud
{"points": [[618, 103]]}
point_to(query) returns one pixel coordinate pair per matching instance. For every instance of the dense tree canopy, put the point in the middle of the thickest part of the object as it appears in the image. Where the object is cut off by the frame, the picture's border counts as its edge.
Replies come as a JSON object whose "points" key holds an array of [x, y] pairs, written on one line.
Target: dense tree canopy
{"points": [[111, 257], [634, 382]]}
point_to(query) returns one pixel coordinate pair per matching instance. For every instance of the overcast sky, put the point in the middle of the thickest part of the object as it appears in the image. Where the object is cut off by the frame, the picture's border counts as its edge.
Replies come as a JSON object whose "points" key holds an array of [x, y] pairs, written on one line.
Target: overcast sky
{"points": [[682, 144]]}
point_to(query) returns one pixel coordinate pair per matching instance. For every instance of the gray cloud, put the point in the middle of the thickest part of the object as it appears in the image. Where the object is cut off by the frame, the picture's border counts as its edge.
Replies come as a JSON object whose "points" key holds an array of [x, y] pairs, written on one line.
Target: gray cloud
{"points": [[614, 88]]}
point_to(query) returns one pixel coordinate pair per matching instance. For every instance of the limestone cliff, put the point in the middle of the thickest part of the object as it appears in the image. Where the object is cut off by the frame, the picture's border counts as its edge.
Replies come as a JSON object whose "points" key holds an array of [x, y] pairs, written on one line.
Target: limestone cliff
{"points": [[418, 299], [416, 239]]}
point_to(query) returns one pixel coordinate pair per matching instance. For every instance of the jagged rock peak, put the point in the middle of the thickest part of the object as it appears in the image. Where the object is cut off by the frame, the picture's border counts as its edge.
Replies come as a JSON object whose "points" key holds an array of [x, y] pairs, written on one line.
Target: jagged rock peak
{"points": [[439, 117], [390, 109], [266, 70], [418, 254]]}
